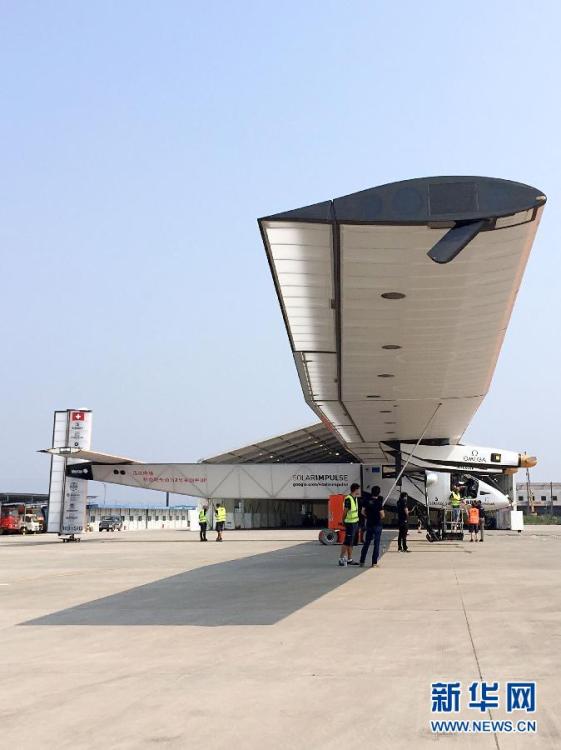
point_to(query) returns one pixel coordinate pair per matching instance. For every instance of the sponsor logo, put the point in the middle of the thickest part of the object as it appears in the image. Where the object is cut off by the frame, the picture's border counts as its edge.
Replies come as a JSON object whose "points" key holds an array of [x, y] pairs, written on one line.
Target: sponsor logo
{"points": [[475, 458], [329, 481], [320, 478]]}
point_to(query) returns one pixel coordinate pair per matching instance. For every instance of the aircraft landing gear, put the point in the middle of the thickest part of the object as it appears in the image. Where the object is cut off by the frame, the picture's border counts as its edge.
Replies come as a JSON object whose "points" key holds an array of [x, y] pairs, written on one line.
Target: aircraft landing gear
{"points": [[71, 538]]}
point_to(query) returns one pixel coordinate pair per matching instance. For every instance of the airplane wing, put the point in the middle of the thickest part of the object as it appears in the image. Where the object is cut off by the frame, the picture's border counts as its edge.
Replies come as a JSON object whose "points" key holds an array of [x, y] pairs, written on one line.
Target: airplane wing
{"points": [[397, 299]]}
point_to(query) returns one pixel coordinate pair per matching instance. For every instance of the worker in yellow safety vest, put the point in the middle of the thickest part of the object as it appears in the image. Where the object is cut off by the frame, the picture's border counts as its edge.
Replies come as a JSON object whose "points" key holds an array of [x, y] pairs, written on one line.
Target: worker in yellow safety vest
{"points": [[455, 502], [220, 520], [473, 521], [350, 520], [203, 521]]}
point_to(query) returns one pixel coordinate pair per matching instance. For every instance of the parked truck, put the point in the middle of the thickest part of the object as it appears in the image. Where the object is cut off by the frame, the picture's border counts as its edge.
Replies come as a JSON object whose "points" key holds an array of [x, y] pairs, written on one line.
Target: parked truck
{"points": [[18, 519]]}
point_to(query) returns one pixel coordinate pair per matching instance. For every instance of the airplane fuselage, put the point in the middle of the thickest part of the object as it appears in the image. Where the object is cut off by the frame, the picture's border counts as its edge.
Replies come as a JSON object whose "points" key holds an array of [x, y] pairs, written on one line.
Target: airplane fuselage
{"points": [[438, 488]]}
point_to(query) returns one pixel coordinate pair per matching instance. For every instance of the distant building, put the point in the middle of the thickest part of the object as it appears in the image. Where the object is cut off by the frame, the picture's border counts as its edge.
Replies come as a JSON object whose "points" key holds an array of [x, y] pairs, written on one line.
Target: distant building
{"points": [[25, 498], [546, 497], [137, 519], [133, 518]]}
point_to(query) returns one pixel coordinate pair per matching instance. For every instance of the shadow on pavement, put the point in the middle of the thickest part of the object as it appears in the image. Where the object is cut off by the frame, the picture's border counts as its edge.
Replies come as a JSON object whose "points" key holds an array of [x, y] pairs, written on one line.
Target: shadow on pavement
{"points": [[188, 537], [257, 590], [128, 540]]}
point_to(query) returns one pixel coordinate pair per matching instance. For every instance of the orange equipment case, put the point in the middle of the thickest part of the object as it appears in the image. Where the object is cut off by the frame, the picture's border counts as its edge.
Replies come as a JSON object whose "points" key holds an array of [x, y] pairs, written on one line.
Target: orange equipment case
{"points": [[335, 509]]}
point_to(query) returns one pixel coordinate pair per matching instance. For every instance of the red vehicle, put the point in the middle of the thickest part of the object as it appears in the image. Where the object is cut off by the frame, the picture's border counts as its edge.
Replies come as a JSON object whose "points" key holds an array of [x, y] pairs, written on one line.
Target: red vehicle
{"points": [[17, 519]]}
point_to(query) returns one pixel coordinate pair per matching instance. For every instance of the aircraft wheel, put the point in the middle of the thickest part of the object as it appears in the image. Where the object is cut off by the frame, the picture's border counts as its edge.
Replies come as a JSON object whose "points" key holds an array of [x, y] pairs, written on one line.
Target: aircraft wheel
{"points": [[328, 536]]}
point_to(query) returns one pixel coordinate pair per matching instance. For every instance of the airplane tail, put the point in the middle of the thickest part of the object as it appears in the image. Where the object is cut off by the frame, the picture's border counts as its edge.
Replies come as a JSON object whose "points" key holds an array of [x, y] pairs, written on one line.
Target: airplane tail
{"points": [[72, 429]]}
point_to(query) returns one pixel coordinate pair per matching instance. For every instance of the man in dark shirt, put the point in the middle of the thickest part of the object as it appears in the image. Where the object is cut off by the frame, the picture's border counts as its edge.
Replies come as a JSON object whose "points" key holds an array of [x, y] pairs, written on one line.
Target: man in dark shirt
{"points": [[372, 512], [402, 519], [481, 520]]}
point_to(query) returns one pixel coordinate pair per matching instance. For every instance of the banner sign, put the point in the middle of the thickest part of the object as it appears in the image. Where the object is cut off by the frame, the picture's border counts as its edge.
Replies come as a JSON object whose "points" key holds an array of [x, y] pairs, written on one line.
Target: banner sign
{"points": [[76, 490]]}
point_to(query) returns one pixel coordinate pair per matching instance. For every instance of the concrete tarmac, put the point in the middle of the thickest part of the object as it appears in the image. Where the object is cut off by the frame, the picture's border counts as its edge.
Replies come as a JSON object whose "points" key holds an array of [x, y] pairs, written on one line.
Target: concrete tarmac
{"points": [[137, 640]]}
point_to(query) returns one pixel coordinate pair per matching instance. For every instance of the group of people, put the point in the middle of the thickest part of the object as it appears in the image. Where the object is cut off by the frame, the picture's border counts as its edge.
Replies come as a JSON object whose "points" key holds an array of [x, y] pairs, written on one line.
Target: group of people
{"points": [[220, 520], [475, 514], [369, 514]]}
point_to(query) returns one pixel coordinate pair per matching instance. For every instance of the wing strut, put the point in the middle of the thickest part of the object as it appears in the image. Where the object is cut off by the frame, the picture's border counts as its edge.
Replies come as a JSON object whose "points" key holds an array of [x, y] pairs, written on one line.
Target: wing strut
{"points": [[428, 424]]}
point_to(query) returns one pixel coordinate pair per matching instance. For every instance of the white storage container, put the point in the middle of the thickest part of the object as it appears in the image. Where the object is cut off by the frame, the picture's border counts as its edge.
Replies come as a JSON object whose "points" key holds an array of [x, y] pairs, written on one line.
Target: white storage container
{"points": [[516, 520]]}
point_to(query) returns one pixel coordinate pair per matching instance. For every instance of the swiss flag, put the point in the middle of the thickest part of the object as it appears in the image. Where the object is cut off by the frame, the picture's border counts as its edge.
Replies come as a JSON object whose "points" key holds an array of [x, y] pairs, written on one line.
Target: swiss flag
{"points": [[77, 416]]}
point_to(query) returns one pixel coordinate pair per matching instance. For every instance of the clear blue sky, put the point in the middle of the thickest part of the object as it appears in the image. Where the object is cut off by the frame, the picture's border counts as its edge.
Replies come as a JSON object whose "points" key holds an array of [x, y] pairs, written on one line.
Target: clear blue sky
{"points": [[141, 140]]}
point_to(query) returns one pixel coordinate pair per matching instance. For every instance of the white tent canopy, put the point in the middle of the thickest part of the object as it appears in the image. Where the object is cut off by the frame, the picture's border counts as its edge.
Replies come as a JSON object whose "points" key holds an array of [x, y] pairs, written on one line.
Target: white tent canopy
{"points": [[314, 444]]}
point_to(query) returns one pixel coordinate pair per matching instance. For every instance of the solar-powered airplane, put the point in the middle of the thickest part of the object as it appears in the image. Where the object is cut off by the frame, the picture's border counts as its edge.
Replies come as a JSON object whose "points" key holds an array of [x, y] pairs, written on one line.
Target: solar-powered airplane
{"points": [[396, 301]]}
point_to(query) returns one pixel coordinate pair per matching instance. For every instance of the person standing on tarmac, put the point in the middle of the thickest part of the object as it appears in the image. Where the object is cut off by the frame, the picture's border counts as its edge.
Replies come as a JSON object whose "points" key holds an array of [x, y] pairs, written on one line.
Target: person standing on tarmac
{"points": [[350, 519], [360, 531], [373, 513], [203, 524], [220, 520], [473, 520], [481, 520], [456, 502], [403, 520]]}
